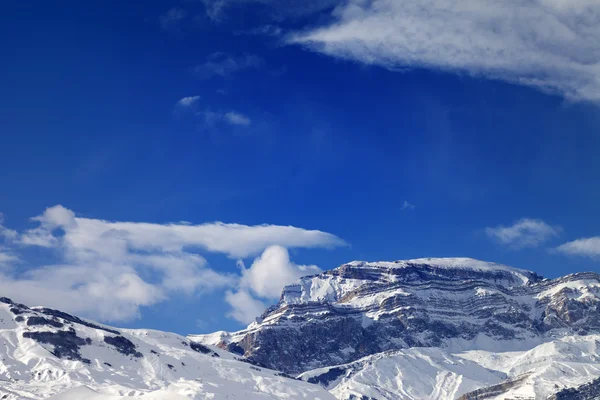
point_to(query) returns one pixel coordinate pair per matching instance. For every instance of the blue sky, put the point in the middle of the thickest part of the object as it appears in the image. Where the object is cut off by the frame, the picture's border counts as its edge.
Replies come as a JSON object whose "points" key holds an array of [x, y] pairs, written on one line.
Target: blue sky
{"points": [[351, 134]]}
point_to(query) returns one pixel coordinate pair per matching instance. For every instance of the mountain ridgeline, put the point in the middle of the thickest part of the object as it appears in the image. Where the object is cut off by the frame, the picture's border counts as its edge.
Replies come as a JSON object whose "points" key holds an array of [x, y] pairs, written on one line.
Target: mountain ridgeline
{"points": [[364, 308]]}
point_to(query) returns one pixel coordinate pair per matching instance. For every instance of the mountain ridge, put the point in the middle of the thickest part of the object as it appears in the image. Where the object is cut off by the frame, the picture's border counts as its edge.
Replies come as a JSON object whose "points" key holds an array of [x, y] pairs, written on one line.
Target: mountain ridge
{"points": [[365, 308]]}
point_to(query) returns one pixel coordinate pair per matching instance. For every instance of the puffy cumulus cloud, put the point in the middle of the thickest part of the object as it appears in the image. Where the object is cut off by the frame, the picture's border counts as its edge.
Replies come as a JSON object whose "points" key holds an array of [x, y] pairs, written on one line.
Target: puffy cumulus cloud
{"points": [[245, 308], [523, 233], [266, 277], [104, 291], [273, 270], [553, 45], [587, 247], [108, 270]]}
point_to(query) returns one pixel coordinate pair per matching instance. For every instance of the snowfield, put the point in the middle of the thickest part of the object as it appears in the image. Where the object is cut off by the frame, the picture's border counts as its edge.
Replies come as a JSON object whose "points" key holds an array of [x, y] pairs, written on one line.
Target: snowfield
{"points": [[145, 364], [437, 374]]}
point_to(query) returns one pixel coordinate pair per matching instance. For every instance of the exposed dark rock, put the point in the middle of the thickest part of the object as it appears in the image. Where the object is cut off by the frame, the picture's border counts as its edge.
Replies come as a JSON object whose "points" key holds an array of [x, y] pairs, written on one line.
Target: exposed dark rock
{"points": [[123, 346], [170, 366], [154, 352], [16, 311], [235, 349], [6, 300], [200, 348], [108, 364], [325, 379], [589, 391], [33, 321], [19, 318], [66, 343], [77, 320], [284, 375], [494, 390]]}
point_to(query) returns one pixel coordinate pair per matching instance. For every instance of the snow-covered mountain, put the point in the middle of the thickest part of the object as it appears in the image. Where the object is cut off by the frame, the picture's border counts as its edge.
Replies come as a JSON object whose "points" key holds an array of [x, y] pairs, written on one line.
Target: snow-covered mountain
{"points": [[426, 329], [46, 353], [445, 327]]}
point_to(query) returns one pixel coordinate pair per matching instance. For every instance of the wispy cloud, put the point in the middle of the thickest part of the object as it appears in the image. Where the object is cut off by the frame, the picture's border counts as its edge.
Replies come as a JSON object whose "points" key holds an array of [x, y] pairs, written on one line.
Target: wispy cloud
{"points": [[229, 117], [223, 65], [586, 247], [187, 101], [138, 263], [217, 9], [526, 232], [235, 118], [171, 20], [553, 45], [406, 206]]}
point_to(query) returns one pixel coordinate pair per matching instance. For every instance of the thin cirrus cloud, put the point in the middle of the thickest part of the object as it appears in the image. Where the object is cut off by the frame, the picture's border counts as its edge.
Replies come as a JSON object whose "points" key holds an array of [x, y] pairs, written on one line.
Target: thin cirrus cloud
{"points": [[230, 117], [552, 45], [224, 65], [171, 20], [524, 233], [138, 263], [406, 206], [216, 9], [585, 247], [188, 101]]}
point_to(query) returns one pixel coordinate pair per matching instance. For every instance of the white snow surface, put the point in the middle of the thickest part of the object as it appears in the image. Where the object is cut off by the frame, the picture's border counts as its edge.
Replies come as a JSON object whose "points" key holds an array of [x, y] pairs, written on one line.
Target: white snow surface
{"points": [[438, 374], [29, 371]]}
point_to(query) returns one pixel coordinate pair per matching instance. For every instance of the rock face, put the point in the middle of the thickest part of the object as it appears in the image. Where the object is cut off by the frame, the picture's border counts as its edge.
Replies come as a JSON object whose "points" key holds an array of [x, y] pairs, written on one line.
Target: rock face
{"points": [[590, 391], [364, 308]]}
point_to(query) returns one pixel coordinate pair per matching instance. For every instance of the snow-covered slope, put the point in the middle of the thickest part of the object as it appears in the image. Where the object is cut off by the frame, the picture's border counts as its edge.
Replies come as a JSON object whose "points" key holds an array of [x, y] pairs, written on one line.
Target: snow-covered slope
{"points": [[440, 374], [49, 354]]}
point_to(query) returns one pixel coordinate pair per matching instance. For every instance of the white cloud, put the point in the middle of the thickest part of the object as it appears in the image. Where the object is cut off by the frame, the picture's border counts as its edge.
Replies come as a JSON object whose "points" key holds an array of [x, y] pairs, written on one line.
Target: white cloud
{"points": [[171, 20], [273, 270], [188, 101], [587, 247], [7, 234], [407, 206], [245, 308], [235, 118], [221, 64], [265, 279], [7, 259], [553, 45], [231, 117], [108, 270], [216, 9], [523, 233]]}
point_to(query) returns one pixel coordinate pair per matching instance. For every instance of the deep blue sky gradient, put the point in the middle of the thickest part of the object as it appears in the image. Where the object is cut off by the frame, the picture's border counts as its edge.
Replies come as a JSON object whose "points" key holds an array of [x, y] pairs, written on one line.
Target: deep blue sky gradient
{"points": [[88, 121]]}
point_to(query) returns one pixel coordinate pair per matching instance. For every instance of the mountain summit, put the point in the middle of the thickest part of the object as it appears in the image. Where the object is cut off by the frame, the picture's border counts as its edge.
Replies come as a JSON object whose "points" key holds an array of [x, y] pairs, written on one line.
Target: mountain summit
{"points": [[362, 309]]}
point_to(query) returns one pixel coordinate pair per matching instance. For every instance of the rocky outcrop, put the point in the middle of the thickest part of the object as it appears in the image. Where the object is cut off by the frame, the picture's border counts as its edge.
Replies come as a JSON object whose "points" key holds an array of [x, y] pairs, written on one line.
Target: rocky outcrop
{"points": [[590, 391], [364, 308]]}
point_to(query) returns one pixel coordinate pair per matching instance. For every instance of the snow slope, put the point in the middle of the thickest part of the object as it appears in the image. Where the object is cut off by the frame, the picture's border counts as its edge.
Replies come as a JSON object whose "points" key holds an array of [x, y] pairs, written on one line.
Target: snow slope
{"points": [[48, 354], [437, 374]]}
